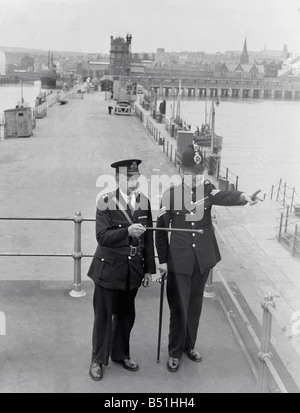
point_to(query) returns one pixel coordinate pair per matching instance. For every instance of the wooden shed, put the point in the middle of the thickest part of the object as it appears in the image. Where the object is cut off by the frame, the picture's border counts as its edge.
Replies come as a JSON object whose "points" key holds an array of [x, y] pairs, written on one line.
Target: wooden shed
{"points": [[18, 122]]}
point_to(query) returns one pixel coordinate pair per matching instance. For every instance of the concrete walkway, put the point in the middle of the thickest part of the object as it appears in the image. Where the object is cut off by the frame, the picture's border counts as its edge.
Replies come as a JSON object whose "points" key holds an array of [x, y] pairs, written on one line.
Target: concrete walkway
{"points": [[47, 346]]}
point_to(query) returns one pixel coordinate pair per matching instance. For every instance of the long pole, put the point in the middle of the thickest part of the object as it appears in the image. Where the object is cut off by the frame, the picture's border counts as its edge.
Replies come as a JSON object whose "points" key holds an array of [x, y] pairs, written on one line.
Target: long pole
{"points": [[161, 304]]}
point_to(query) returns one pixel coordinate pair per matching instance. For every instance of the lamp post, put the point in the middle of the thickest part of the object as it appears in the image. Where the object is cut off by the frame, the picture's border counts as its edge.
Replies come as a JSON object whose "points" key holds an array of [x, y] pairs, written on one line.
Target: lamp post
{"points": [[213, 123]]}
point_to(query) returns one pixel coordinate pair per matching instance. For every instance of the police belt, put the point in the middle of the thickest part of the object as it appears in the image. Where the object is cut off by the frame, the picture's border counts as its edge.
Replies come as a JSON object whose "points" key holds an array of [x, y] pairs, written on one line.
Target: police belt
{"points": [[132, 251]]}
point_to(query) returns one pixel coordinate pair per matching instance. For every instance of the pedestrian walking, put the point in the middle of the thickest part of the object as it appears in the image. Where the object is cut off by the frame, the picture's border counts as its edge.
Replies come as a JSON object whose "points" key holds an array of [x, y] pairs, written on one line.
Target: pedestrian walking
{"points": [[110, 108], [124, 259], [187, 256]]}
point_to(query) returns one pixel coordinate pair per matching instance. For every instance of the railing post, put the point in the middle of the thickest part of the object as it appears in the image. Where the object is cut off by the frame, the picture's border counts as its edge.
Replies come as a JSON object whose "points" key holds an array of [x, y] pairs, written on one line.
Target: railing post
{"points": [[272, 192], [77, 255], [278, 192], [280, 227], [284, 194], [293, 196], [208, 289], [295, 240], [262, 381], [286, 219]]}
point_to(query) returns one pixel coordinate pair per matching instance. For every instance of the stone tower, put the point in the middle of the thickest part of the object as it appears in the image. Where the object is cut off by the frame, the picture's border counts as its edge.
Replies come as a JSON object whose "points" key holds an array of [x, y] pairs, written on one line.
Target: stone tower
{"points": [[120, 56], [244, 58]]}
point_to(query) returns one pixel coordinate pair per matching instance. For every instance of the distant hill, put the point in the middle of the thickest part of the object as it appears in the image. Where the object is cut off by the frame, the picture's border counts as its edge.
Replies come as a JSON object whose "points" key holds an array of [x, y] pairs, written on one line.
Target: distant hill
{"points": [[39, 52]]}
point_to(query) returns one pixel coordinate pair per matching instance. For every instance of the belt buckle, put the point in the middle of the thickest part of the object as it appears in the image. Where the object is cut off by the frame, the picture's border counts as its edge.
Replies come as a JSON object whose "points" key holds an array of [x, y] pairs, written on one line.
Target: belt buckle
{"points": [[133, 251]]}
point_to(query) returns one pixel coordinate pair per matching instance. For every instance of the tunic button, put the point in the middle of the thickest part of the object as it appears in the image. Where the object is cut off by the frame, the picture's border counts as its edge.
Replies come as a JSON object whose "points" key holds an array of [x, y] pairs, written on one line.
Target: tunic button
{"points": [[201, 231], [193, 224], [129, 257], [102, 259], [120, 225], [192, 213], [205, 208], [177, 213], [193, 234], [193, 245]]}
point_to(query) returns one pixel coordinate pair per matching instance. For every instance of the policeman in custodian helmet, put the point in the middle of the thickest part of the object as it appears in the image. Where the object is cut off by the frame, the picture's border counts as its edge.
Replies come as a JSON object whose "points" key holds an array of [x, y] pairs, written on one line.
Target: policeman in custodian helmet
{"points": [[124, 259], [188, 256]]}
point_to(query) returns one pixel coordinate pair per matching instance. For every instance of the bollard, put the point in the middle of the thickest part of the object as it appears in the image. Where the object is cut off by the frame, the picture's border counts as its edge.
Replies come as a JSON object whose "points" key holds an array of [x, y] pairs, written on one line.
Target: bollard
{"points": [[208, 289], [262, 380], [77, 255]]}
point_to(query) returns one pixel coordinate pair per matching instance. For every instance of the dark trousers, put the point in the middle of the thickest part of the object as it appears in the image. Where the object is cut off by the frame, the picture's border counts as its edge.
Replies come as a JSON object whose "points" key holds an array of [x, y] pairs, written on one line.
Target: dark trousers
{"points": [[185, 297], [114, 318]]}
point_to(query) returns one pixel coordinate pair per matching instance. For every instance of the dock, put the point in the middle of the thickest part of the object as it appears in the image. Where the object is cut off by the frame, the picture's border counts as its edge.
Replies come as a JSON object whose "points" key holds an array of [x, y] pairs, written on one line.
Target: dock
{"points": [[47, 345]]}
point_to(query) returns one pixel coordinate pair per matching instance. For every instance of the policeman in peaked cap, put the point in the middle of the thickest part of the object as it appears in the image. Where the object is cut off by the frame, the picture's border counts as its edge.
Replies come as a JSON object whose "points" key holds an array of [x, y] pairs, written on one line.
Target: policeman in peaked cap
{"points": [[188, 256], [123, 261]]}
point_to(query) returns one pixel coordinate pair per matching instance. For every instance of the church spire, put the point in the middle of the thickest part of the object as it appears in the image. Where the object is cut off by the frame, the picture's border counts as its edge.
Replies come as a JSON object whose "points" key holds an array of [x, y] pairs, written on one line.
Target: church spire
{"points": [[244, 58]]}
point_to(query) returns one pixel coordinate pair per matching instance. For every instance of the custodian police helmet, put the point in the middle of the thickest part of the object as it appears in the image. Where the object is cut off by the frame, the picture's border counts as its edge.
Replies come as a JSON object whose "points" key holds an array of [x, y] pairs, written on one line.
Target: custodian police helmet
{"points": [[192, 159]]}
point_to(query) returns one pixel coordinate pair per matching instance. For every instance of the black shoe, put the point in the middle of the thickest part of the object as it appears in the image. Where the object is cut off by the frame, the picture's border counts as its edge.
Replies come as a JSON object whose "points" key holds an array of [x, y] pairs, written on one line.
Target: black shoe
{"points": [[173, 364], [96, 371], [128, 364], [193, 354]]}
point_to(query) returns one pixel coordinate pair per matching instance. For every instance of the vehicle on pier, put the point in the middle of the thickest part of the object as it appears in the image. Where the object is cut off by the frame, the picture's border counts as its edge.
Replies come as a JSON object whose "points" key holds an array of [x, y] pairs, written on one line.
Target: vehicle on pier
{"points": [[123, 107]]}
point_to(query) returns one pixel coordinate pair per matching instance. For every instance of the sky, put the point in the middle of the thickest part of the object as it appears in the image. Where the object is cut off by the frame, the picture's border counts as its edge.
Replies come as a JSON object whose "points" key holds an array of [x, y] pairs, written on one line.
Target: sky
{"points": [[175, 25]]}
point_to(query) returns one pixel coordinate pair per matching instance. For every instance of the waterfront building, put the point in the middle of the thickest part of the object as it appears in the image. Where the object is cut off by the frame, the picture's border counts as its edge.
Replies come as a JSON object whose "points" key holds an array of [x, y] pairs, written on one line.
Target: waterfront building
{"points": [[2, 64], [98, 69], [240, 71]]}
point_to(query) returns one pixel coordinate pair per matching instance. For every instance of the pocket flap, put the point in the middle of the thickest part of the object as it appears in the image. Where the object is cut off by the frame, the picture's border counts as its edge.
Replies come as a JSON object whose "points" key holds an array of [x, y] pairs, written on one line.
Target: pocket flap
{"points": [[108, 259]]}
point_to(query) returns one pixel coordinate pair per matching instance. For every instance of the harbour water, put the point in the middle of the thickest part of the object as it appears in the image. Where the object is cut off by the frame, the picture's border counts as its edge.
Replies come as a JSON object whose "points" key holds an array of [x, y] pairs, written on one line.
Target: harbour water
{"points": [[261, 138], [10, 95]]}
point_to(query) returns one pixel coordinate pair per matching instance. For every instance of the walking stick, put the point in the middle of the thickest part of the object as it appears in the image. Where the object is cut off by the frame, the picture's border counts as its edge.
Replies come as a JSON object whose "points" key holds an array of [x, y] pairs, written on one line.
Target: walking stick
{"points": [[161, 280]]}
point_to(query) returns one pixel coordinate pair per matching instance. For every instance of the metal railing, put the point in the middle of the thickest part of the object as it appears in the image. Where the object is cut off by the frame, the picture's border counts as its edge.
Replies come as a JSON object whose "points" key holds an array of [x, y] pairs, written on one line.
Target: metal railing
{"points": [[289, 219], [76, 255]]}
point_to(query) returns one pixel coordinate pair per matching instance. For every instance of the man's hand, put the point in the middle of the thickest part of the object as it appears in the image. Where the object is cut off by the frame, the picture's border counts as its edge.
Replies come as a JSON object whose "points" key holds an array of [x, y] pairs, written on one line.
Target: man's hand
{"points": [[163, 269], [136, 230], [146, 280], [251, 199]]}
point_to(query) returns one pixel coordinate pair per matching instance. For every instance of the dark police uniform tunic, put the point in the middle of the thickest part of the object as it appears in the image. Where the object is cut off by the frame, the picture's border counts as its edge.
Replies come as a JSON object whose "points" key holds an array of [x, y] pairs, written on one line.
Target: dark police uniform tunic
{"points": [[190, 256], [117, 269]]}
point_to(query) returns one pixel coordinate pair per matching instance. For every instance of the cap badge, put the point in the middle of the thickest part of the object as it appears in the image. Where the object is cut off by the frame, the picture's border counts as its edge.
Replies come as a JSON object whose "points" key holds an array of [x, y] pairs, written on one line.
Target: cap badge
{"points": [[197, 158]]}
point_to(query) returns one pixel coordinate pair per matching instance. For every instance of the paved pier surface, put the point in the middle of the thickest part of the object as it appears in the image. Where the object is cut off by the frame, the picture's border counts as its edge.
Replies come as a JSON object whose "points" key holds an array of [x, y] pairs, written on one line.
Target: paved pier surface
{"points": [[48, 340]]}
